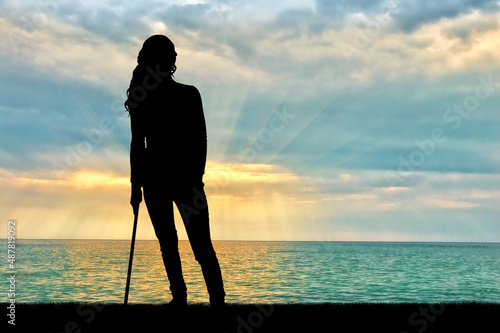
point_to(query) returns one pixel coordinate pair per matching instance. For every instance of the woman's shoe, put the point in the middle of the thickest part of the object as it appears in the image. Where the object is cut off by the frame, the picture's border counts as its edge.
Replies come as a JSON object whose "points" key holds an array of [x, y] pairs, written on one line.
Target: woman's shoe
{"points": [[178, 303], [218, 303]]}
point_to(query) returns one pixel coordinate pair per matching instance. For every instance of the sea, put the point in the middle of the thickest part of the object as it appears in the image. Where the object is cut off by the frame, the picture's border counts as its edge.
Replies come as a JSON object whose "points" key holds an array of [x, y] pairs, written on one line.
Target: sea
{"points": [[257, 272]]}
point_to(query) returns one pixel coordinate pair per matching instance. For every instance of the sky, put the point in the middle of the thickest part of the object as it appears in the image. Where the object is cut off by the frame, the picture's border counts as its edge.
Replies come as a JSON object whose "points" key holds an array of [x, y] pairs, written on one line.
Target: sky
{"points": [[327, 120]]}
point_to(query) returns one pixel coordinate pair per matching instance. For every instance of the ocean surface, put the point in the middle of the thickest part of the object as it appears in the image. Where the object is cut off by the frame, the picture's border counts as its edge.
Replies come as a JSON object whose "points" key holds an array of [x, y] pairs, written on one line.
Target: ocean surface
{"points": [[284, 272]]}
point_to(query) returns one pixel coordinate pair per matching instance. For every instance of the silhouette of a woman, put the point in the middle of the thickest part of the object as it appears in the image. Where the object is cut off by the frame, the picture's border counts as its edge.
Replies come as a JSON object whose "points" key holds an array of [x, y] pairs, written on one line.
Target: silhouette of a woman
{"points": [[167, 160]]}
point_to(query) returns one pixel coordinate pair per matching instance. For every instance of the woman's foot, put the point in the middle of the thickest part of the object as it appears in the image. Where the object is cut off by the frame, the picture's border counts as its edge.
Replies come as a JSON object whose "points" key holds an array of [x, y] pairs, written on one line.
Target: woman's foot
{"points": [[218, 303], [178, 302]]}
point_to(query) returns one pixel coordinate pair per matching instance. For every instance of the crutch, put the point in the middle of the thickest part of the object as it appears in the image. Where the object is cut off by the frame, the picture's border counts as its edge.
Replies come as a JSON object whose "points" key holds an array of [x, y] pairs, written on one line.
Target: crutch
{"points": [[136, 213]]}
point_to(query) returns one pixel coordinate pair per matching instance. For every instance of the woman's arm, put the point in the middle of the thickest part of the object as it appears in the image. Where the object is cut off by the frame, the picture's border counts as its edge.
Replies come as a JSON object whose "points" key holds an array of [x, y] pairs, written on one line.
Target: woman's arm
{"points": [[200, 132], [137, 155]]}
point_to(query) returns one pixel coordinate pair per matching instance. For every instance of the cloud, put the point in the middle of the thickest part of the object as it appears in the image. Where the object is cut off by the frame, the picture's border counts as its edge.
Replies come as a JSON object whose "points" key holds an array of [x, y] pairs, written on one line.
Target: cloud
{"points": [[343, 7], [413, 14], [187, 16], [451, 204], [469, 26]]}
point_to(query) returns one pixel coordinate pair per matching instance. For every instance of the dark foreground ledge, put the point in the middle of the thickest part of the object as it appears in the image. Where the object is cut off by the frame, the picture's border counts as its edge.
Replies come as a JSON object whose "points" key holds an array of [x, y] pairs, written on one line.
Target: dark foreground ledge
{"points": [[254, 318]]}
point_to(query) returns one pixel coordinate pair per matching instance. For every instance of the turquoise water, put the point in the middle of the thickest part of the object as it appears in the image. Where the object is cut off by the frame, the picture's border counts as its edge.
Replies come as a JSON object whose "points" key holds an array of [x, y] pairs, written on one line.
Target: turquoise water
{"points": [[94, 270]]}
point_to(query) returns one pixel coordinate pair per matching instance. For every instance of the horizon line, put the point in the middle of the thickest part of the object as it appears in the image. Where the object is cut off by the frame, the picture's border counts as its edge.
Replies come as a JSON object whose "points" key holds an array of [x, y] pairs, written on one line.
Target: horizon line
{"points": [[257, 240]]}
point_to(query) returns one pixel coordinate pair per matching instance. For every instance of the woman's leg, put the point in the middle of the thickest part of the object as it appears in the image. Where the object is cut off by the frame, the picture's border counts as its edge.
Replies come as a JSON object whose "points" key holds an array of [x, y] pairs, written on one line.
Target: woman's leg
{"points": [[192, 204], [161, 212]]}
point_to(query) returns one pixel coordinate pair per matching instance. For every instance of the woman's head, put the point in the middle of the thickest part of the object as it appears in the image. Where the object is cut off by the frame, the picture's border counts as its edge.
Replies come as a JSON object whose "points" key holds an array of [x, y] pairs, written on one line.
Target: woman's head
{"points": [[157, 49], [157, 53]]}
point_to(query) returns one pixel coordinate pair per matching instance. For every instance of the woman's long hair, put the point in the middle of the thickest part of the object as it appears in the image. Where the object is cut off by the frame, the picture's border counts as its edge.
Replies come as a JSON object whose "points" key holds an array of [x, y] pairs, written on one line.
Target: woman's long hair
{"points": [[157, 50]]}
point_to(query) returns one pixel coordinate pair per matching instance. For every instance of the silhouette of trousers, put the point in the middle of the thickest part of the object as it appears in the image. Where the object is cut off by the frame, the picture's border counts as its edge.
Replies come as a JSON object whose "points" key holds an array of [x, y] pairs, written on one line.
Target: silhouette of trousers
{"points": [[192, 204]]}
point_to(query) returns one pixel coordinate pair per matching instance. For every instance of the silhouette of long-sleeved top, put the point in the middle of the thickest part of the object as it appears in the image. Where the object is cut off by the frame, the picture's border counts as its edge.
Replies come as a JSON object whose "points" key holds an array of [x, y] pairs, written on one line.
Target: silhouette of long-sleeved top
{"points": [[169, 139]]}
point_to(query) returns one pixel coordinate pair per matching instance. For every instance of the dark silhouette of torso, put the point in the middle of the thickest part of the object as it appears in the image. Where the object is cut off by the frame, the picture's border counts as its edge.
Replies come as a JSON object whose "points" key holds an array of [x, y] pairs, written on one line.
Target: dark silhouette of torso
{"points": [[169, 135]]}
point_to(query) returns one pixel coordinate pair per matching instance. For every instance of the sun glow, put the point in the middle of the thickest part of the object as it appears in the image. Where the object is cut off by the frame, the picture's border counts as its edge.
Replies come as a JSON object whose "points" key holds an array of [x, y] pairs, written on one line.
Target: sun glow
{"points": [[88, 179], [245, 200]]}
